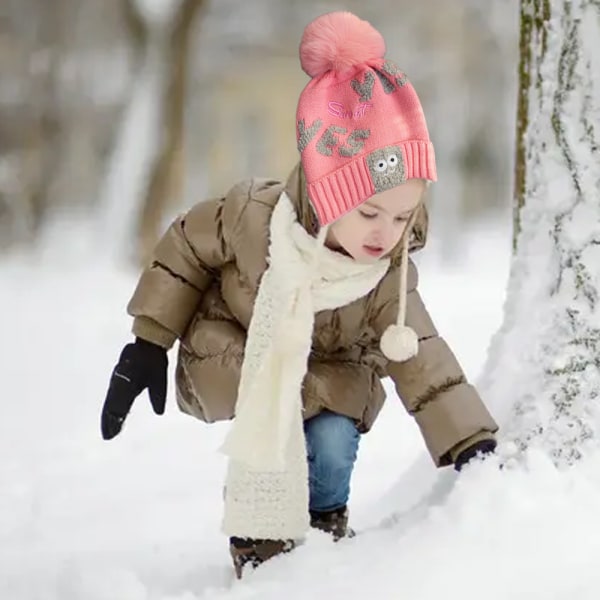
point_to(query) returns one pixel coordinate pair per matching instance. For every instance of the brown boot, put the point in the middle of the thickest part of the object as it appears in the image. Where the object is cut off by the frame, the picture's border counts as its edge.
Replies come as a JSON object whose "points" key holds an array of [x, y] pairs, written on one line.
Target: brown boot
{"points": [[334, 522], [255, 552]]}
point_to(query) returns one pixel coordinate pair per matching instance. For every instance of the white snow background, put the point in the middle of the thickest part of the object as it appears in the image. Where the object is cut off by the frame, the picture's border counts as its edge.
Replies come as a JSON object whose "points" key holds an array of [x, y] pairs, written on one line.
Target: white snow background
{"points": [[138, 518]]}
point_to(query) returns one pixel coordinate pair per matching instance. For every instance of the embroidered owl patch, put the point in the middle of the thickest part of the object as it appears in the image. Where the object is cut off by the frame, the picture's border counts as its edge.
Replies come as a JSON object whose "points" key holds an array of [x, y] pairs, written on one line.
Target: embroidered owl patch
{"points": [[386, 166]]}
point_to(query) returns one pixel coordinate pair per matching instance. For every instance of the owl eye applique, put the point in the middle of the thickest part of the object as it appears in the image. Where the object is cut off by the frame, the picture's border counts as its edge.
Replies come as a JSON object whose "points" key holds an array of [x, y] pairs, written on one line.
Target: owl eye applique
{"points": [[386, 167]]}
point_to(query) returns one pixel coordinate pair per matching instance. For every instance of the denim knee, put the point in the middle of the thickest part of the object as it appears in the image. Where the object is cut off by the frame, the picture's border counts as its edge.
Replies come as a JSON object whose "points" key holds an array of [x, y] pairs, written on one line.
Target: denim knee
{"points": [[333, 437], [332, 445]]}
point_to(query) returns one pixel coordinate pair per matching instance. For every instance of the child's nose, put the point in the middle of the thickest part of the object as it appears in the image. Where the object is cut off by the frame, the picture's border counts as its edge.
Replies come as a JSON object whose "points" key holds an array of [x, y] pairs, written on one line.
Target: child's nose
{"points": [[385, 231]]}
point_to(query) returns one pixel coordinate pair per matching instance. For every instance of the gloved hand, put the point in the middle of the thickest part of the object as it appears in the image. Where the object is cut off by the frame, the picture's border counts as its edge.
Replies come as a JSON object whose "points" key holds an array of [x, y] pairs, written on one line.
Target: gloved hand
{"points": [[141, 365], [480, 448]]}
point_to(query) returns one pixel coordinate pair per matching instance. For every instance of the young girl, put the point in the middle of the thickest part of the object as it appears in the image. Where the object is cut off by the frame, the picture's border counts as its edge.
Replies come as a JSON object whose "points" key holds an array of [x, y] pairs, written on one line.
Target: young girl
{"points": [[291, 300]]}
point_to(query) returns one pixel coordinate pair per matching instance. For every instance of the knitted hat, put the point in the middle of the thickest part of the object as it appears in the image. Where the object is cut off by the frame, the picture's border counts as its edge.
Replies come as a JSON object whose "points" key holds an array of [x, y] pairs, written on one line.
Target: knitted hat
{"points": [[360, 125]]}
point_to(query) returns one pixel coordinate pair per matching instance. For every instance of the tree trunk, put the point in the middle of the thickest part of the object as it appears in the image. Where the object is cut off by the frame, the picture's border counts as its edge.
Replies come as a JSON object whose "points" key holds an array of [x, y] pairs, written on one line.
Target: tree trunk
{"points": [[165, 184], [533, 27], [545, 362]]}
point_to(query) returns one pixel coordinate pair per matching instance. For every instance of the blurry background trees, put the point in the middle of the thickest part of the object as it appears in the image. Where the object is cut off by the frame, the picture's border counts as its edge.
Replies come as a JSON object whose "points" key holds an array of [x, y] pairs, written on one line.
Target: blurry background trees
{"points": [[128, 111]]}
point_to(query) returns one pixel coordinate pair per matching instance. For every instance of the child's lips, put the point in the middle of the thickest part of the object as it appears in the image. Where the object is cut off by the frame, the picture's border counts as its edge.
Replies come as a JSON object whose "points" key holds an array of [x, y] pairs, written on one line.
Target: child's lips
{"points": [[373, 250]]}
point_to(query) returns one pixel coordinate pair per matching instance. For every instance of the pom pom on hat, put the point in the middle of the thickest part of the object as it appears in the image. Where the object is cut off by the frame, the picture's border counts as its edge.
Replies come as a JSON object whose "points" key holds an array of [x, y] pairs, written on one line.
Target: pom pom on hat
{"points": [[337, 41], [399, 343]]}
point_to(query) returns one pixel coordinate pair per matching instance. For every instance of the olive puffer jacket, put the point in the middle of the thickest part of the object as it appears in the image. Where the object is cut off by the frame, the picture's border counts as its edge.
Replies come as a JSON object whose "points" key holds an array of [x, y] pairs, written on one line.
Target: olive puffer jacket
{"points": [[200, 288]]}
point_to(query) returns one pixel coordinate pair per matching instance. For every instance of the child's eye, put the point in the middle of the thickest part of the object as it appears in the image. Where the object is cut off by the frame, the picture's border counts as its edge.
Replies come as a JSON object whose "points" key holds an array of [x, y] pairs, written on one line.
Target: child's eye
{"points": [[401, 219], [368, 215]]}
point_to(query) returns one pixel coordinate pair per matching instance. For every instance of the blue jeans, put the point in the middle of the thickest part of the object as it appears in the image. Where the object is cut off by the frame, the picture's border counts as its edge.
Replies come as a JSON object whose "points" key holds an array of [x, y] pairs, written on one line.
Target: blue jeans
{"points": [[332, 446]]}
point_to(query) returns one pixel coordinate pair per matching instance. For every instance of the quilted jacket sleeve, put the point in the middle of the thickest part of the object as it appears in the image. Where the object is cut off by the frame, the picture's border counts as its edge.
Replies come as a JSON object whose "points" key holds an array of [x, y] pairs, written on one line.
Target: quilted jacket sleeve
{"points": [[185, 261], [433, 386]]}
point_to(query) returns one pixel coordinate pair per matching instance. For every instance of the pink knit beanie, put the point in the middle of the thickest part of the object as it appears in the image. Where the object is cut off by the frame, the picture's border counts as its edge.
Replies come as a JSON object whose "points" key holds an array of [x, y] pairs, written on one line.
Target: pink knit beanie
{"points": [[360, 126]]}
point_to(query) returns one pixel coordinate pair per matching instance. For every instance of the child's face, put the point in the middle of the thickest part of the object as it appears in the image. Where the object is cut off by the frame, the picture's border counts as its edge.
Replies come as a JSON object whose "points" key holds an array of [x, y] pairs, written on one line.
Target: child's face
{"points": [[374, 228]]}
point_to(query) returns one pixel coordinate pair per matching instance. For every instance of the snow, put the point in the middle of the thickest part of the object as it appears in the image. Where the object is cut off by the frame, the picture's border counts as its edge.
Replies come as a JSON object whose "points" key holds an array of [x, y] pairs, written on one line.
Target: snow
{"points": [[139, 517]]}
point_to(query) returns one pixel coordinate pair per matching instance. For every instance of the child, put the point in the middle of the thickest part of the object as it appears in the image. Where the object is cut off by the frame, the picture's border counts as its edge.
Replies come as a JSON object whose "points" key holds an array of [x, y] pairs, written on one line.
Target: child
{"points": [[292, 300]]}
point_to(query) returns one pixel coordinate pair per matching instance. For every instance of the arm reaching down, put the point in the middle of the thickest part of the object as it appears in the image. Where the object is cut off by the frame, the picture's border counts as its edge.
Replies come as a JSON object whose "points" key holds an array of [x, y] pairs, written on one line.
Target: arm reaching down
{"points": [[433, 387]]}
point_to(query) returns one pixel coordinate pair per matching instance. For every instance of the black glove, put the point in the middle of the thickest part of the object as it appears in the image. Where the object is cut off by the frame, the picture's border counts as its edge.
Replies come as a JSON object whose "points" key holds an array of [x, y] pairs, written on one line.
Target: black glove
{"points": [[480, 448], [141, 365]]}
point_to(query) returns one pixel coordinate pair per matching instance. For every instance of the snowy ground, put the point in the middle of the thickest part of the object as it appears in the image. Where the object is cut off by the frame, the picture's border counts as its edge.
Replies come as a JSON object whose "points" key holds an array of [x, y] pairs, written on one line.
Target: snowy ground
{"points": [[138, 518]]}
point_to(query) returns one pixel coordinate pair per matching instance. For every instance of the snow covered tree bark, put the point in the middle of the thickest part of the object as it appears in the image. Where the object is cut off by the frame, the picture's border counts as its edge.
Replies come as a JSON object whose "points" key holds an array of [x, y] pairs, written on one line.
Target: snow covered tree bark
{"points": [[549, 347]]}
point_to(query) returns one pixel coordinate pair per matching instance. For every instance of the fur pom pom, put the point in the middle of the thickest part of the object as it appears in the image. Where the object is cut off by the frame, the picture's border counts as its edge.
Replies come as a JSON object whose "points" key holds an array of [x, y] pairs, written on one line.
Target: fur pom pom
{"points": [[399, 343], [337, 41]]}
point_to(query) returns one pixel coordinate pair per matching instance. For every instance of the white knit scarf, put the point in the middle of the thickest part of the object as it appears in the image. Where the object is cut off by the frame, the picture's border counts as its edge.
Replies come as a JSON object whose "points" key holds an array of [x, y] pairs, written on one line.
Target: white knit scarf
{"points": [[267, 478]]}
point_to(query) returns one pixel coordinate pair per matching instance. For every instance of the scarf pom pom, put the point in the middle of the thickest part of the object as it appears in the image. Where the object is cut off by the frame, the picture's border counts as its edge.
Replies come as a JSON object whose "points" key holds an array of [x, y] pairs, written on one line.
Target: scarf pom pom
{"points": [[399, 343]]}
